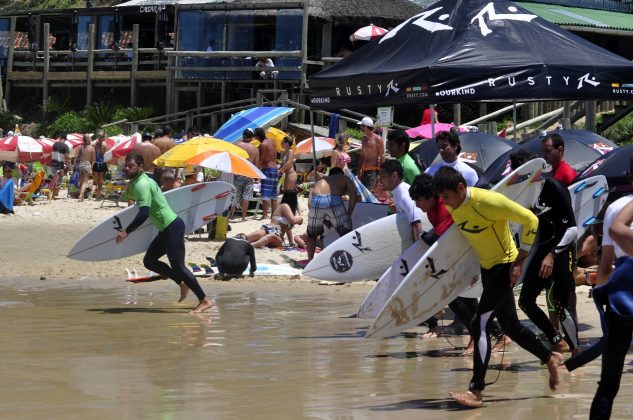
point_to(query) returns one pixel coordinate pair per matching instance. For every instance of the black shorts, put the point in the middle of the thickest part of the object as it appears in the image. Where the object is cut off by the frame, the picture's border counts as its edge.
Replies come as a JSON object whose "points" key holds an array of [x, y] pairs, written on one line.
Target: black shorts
{"points": [[99, 167]]}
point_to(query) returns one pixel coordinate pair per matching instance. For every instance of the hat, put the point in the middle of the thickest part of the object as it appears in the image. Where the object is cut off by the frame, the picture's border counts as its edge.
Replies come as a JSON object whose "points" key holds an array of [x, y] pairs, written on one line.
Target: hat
{"points": [[367, 121], [248, 133], [147, 135]]}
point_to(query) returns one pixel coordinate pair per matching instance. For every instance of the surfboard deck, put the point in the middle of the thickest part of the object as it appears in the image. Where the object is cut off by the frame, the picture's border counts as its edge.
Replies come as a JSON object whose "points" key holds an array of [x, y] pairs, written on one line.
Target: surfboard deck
{"points": [[195, 204], [450, 266]]}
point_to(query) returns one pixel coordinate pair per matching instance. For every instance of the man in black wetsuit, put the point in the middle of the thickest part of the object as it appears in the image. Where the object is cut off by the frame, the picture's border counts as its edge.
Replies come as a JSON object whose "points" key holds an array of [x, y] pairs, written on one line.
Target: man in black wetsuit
{"points": [[234, 256], [551, 267]]}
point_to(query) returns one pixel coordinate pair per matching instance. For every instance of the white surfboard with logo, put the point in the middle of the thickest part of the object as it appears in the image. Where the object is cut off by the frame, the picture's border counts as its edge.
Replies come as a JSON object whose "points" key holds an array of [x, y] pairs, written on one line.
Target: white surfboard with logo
{"points": [[449, 267], [196, 204], [587, 198]]}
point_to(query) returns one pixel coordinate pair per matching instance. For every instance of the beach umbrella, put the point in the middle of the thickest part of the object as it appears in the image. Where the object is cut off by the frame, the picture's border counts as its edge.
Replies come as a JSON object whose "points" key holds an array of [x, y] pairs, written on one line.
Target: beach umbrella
{"points": [[322, 146], [47, 149], [20, 149], [595, 141], [426, 130], [73, 141], [177, 155], [614, 165], [263, 116], [479, 149], [367, 33], [226, 162], [124, 148]]}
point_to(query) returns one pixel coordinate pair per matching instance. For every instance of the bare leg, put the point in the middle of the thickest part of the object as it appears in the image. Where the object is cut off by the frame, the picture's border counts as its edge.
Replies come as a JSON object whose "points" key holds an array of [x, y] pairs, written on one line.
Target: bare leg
{"points": [[205, 304], [265, 205], [268, 240], [274, 206], [244, 209], [184, 291], [310, 247], [552, 366], [83, 180]]}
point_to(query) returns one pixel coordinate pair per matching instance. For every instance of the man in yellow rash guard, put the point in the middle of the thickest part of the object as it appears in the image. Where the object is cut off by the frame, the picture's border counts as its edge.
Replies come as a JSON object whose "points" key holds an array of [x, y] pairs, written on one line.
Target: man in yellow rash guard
{"points": [[482, 217]]}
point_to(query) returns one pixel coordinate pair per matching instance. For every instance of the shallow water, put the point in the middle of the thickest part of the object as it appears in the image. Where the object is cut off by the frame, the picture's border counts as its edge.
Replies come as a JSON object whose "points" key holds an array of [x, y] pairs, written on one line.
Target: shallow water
{"points": [[131, 353]]}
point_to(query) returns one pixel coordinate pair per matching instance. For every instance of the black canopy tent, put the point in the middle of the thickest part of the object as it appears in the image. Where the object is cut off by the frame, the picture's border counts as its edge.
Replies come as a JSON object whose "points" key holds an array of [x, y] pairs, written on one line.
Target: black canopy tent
{"points": [[468, 51]]}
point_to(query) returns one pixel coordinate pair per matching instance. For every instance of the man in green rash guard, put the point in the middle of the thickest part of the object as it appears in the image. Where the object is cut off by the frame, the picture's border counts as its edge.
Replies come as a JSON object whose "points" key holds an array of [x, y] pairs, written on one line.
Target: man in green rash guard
{"points": [[171, 231]]}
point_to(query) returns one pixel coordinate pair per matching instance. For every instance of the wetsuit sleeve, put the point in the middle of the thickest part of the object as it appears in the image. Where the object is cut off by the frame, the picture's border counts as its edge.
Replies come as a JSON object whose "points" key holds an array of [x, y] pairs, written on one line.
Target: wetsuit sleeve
{"points": [[141, 217], [566, 222], [251, 253], [502, 208]]}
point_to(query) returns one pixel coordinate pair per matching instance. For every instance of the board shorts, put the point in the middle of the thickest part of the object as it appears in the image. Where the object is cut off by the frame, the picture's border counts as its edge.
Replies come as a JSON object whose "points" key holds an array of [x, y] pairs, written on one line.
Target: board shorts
{"points": [[271, 229], [330, 207], [244, 187], [269, 184], [85, 167], [369, 177]]}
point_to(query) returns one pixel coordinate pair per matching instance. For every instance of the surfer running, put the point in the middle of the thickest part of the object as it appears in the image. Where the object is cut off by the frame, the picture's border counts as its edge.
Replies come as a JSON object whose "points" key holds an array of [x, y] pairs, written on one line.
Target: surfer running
{"points": [[482, 217], [171, 231], [551, 266]]}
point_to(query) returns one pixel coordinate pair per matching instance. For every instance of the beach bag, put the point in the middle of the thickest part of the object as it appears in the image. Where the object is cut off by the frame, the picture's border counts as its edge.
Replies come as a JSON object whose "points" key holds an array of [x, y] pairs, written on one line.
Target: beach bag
{"points": [[74, 179], [221, 227]]}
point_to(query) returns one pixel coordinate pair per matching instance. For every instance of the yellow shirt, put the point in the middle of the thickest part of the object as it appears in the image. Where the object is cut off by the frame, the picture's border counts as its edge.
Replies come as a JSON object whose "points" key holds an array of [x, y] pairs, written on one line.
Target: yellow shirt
{"points": [[483, 220]]}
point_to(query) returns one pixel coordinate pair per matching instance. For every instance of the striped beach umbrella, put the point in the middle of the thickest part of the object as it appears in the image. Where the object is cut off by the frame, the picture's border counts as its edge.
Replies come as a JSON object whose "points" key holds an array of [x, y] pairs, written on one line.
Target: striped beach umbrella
{"points": [[176, 156], [322, 145], [263, 116], [20, 149], [226, 162], [124, 148], [367, 33]]}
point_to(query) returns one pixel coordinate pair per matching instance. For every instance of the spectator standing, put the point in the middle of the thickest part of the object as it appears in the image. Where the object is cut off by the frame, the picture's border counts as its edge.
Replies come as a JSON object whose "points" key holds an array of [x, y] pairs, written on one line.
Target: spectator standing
{"points": [[371, 155]]}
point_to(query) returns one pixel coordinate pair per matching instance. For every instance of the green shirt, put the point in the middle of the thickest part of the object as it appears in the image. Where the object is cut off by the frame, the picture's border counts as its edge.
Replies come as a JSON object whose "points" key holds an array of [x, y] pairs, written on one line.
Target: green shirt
{"points": [[146, 193], [411, 170]]}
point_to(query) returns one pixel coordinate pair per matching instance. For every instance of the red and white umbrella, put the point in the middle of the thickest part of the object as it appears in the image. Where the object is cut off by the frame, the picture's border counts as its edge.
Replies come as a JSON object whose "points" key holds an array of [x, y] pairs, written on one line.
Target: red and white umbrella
{"points": [[20, 149], [367, 33], [124, 148], [74, 141], [322, 145], [47, 149]]}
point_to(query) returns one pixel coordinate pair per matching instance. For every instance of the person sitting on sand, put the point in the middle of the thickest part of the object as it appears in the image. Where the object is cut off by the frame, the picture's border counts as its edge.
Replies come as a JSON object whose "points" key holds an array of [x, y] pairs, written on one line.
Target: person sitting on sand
{"points": [[283, 219], [170, 240], [234, 256]]}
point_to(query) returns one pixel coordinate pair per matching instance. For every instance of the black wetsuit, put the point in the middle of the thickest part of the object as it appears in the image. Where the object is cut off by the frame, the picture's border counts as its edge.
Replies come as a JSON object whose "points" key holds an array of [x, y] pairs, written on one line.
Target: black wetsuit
{"points": [[556, 235], [234, 256]]}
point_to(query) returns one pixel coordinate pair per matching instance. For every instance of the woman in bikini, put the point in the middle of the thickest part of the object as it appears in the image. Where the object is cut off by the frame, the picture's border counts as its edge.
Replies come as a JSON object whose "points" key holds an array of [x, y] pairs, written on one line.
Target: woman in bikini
{"points": [[340, 158], [288, 166], [283, 219], [99, 167]]}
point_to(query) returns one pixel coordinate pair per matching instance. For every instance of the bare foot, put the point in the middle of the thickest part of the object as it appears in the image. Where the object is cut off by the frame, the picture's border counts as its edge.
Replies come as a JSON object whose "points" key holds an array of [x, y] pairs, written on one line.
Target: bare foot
{"points": [[501, 343], [470, 349], [431, 333], [204, 305], [561, 347], [468, 398], [184, 291], [552, 366]]}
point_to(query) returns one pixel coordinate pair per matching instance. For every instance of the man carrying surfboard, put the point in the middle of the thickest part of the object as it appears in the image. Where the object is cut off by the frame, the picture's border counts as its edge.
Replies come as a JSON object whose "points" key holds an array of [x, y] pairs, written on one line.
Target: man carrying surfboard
{"points": [[482, 217], [171, 231]]}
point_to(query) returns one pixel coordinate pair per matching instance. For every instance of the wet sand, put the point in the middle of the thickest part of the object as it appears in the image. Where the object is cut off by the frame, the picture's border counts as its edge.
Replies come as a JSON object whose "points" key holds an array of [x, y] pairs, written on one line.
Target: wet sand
{"points": [[80, 342]]}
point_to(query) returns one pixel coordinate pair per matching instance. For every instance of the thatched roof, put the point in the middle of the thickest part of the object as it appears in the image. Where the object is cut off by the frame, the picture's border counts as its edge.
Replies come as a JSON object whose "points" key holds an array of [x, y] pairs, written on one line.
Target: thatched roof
{"points": [[326, 9]]}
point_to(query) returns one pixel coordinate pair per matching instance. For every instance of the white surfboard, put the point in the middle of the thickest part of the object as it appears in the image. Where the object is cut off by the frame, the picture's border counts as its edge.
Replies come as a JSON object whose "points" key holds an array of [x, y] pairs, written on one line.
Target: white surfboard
{"points": [[587, 198], [196, 204], [364, 253], [274, 270], [448, 268]]}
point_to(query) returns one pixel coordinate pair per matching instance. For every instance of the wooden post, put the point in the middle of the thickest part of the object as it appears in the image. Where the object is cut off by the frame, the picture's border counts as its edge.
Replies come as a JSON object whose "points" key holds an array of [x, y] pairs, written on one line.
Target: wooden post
{"points": [[457, 114], [91, 63], [47, 62], [135, 31], [169, 93], [10, 59], [189, 119], [566, 120], [326, 39], [590, 116]]}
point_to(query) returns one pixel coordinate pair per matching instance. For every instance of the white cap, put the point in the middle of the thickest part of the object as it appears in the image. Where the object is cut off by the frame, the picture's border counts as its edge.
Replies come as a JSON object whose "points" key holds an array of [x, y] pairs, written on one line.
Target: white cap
{"points": [[367, 121], [9, 133]]}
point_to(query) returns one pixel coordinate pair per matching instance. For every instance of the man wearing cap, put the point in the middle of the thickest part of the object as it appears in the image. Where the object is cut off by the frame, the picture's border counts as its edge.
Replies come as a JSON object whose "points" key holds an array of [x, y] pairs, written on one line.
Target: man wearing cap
{"points": [[371, 155], [149, 152], [244, 184]]}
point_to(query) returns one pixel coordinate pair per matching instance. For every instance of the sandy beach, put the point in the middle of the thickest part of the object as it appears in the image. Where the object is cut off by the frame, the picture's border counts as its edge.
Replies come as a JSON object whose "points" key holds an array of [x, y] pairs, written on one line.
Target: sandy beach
{"points": [[81, 337]]}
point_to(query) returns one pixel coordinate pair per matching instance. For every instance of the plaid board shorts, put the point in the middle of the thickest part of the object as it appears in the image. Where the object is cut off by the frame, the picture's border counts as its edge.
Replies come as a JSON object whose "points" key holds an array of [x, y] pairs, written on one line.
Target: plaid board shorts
{"points": [[244, 187], [269, 184], [330, 207]]}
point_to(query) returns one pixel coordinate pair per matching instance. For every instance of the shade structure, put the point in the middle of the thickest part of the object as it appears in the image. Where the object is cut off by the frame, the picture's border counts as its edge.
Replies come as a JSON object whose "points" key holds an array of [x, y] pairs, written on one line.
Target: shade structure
{"points": [[20, 149], [466, 51], [367, 33], [226, 162], [479, 149], [263, 116], [614, 165], [176, 156], [323, 146], [123, 148], [425, 131]]}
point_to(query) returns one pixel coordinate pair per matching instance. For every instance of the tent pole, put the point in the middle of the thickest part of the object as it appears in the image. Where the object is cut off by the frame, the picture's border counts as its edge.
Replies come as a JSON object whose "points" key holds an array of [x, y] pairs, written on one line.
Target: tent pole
{"points": [[514, 120], [432, 108], [314, 156]]}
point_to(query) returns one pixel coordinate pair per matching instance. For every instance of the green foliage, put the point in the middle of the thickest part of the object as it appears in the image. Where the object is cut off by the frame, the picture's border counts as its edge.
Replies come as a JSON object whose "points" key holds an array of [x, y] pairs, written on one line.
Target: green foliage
{"points": [[8, 120], [69, 122], [100, 114], [133, 113], [622, 131], [354, 132], [113, 130]]}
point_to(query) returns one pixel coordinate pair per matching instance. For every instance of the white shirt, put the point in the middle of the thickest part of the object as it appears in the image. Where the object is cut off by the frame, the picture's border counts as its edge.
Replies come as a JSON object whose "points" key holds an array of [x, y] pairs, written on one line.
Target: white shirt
{"points": [[469, 174], [404, 203], [200, 177], [612, 211]]}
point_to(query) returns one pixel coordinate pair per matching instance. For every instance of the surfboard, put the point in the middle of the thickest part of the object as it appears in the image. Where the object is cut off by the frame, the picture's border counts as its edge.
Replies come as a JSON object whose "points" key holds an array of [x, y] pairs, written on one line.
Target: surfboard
{"points": [[449, 267], [196, 204], [274, 270], [198, 270], [587, 198], [364, 253]]}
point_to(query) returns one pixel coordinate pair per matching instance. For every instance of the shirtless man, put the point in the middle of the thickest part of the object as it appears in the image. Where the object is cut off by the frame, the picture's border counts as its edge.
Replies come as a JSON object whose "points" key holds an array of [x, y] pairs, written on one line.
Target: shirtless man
{"points": [[326, 202], [268, 165], [149, 152], [371, 155], [166, 141], [244, 184]]}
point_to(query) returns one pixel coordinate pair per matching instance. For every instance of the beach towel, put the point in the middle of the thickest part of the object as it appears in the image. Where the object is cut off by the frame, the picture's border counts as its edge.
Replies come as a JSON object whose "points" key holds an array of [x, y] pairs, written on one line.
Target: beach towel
{"points": [[7, 197], [365, 195]]}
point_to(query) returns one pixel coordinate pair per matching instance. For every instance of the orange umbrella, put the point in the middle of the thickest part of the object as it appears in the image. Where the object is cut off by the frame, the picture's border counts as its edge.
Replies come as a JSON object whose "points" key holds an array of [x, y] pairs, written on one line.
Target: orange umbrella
{"points": [[226, 162], [322, 144]]}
